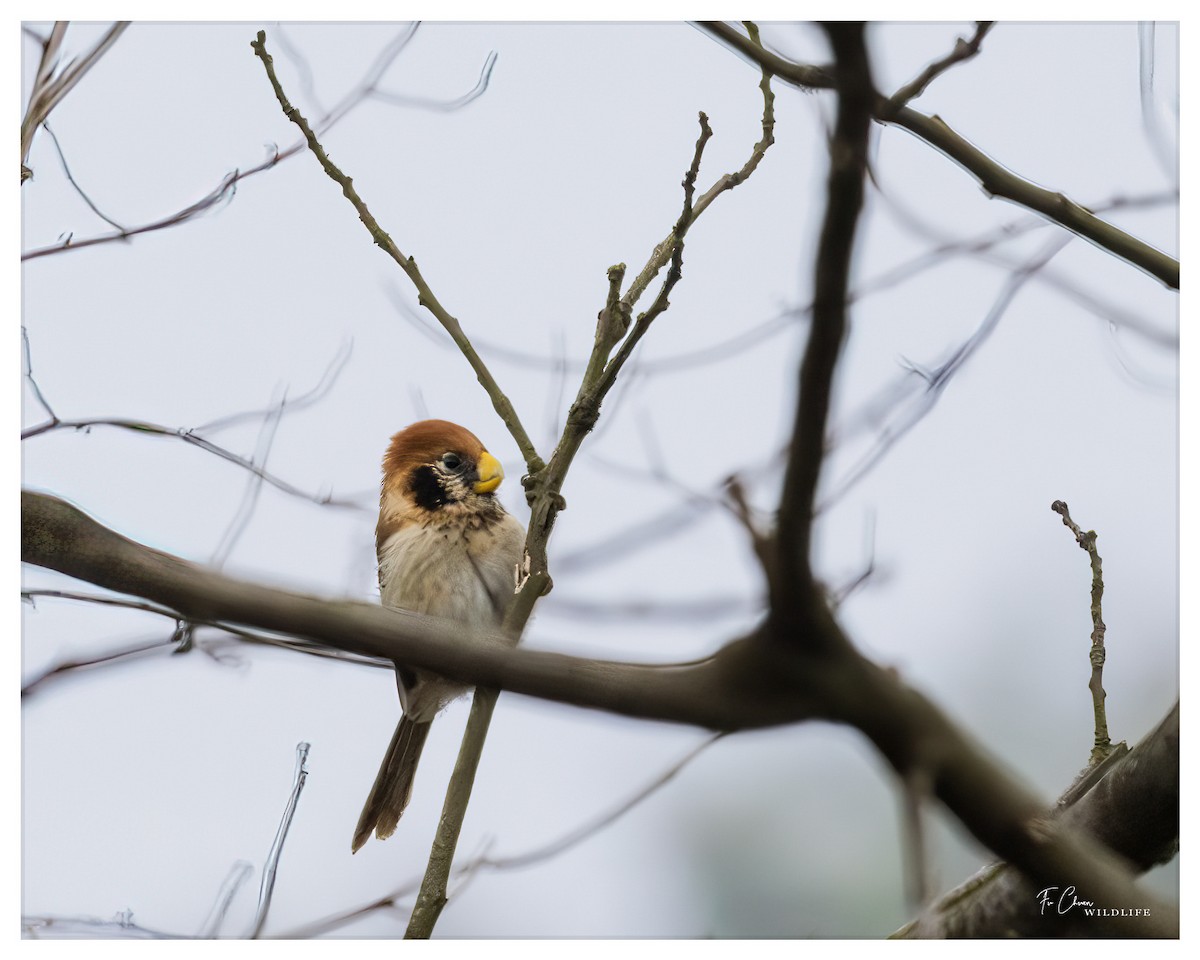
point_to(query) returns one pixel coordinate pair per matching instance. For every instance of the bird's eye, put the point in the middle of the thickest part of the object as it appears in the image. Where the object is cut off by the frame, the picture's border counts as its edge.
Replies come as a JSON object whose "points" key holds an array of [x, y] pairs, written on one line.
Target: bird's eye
{"points": [[451, 461]]}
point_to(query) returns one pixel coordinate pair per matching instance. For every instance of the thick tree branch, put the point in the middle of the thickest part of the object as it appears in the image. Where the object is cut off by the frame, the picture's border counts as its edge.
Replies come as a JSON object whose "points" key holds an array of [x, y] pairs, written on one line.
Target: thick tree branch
{"points": [[748, 683], [1133, 810], [996, 180], [797, 605], [58, 536]]}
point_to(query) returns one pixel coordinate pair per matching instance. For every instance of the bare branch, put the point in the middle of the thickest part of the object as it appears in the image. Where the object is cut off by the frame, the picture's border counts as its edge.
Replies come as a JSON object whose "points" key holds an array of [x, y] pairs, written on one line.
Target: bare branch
{"points": [[797, 605], [996, 180], [121, 654], [543, 486], [904, 416], [431, 897], [70, 179], [334, 370], [446, 106], [228, 185], [308, 85], [544, 491], [595, 825], [189, 436], [234, 881], [271, 866], [245, 509], [121, 927], [963, 50], [804, 76], [1133, 808], [664, 251], [210, 201], [211, 646], [33, 384], [1164, 152], [980, 246], [192, 435], [748, 683], [701, 609], [984, 247], [739, 506], [1087, 541], [643, 533]]}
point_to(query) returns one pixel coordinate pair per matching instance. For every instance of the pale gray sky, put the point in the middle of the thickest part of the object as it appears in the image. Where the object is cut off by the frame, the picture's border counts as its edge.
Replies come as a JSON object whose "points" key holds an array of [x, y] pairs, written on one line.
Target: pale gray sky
{"points": [[144, 783]]}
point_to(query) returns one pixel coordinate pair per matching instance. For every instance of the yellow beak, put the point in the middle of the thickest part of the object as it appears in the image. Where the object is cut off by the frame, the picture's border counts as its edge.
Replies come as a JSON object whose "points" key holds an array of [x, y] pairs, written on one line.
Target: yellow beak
{"points": [[490, 473]]}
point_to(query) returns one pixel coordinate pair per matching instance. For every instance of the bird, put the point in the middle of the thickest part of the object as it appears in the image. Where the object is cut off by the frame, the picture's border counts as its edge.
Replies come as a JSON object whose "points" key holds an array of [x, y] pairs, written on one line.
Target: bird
{"points": [[446, 547]]}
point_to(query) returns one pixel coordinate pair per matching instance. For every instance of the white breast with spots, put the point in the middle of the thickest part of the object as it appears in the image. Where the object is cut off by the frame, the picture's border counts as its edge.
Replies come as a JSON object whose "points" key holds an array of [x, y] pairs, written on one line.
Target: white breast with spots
{"points": [[467, 575]]}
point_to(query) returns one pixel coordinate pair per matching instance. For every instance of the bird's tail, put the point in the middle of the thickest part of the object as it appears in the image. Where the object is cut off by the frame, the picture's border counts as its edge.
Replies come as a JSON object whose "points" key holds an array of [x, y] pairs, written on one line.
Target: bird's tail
{"points": [[393, 784]]}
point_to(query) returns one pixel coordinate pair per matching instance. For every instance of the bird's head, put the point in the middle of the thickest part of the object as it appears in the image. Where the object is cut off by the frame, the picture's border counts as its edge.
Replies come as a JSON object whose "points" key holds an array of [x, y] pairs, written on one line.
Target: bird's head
{"points": [[435, 466]]}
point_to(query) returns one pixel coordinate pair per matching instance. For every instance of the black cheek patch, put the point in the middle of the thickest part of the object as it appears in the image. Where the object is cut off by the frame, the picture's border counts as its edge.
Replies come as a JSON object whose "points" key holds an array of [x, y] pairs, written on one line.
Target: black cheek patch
{"points": [[426, 489]]}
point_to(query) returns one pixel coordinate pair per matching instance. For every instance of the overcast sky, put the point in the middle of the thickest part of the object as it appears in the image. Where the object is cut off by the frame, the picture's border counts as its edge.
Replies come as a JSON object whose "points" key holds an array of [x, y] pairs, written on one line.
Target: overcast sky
{"points": [[144, 783]]}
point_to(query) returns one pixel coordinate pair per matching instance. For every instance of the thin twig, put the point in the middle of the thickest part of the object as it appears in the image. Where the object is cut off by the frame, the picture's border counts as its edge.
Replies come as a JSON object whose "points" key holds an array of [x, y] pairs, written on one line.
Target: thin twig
{"points": [[121, 927], [188, 435], [33, 384], [903, 417], [979, 246], [670, 250], [645, 532], [646, 611], [245, 510], [1164, 152], [446, 106], [210, 201], [663, 252], [739, 505], [231, 632], [71, 180], [390, 901], [299, 402], [308, 86], [545, 492], [271, 867], [983, 247], [588, 830], [963, 50], [234, 881], [121, 654], [1087, 542]]}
